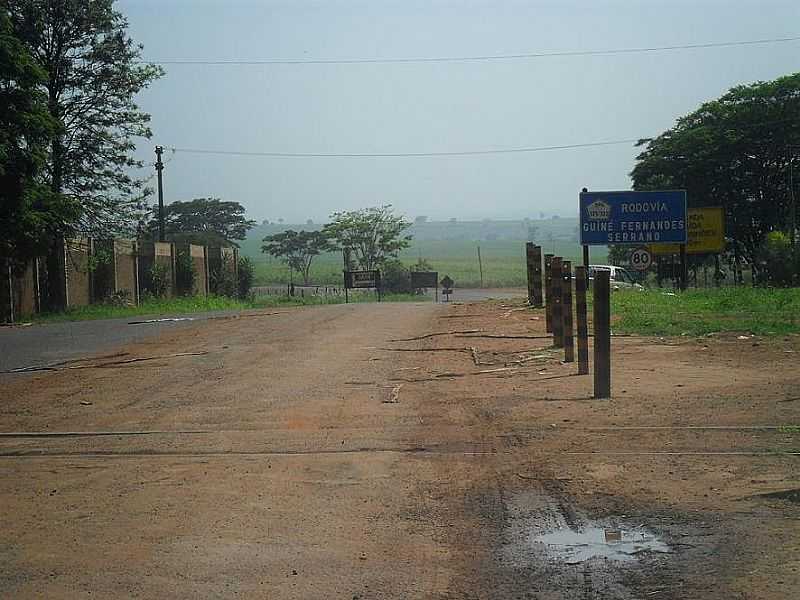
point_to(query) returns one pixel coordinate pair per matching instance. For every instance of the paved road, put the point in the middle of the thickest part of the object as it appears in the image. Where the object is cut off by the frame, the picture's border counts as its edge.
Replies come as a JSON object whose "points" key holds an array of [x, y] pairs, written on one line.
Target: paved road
{"points": [[44, 344]]}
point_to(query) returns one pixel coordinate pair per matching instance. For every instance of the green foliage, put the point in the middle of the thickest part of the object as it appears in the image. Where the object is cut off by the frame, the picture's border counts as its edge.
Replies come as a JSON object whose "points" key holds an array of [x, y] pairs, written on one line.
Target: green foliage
{"points": [[204, 221], [758, 311], [223, 280], [735, 151], [93, 71], [780, 261], [371, 234], [185, 273], [246, 277], [395, 277], [32, 215], [297, 248], [159, 280], [503, 262]]}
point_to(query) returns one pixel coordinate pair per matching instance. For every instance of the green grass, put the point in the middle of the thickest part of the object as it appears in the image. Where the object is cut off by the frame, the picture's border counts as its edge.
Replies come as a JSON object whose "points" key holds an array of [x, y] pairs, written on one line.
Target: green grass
{"points": [[199, 304], [503, 262], [758, 311]]}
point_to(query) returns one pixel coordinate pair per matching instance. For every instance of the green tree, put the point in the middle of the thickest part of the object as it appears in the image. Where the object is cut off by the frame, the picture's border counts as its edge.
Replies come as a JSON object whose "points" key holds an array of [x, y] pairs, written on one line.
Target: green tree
{"points": [[297, 248], [734, 152], [32, 214], [212, 219], [372, 234], [93, 72]]}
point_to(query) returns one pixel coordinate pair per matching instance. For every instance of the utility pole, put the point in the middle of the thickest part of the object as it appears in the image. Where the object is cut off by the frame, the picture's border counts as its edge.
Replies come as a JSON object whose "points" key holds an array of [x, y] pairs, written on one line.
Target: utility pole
{"points": [[480, 264], [159, 169], [793, 206]]}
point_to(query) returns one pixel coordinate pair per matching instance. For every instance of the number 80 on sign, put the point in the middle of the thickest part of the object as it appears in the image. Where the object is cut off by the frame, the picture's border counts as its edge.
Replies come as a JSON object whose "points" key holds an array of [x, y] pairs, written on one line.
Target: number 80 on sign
{"points": [[641, 259]]}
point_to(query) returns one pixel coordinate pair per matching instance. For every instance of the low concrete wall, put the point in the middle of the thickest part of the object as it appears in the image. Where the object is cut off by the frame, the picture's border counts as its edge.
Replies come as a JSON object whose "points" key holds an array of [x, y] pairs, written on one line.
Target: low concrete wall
{"points": [[198, 254], [78, 274], [126, 276], [19, 292]]}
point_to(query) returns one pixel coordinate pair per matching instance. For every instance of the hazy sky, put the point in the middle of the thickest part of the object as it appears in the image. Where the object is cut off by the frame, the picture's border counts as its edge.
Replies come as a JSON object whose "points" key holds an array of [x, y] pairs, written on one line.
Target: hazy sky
{"points": [[434, 107]]}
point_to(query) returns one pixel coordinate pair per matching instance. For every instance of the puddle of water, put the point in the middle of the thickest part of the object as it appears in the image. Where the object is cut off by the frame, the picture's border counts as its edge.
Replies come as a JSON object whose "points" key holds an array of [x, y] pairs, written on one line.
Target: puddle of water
{"points": [[573, 547]]}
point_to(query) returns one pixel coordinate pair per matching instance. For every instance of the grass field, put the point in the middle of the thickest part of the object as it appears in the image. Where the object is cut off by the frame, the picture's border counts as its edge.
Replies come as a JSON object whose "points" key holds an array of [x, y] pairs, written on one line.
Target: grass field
{"points": [[757, 311], [503, 262]]}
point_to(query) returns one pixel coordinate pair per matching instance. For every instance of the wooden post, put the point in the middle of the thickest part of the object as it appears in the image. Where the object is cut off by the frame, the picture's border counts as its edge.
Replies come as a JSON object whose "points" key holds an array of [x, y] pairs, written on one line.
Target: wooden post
{"points": [[480, 265], [683, 276], [548, 288], [602, 334], [533, 260], [580, 313], [558, 313], [537, 277], [586, 256], [566, 295]]}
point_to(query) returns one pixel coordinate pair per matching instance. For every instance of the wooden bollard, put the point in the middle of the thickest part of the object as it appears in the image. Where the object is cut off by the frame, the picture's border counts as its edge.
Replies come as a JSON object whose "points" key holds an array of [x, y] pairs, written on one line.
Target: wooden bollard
{"points": [[580, 314], [548, 288], [602, 334], [566, 308], [533, 259], [557, 316]]}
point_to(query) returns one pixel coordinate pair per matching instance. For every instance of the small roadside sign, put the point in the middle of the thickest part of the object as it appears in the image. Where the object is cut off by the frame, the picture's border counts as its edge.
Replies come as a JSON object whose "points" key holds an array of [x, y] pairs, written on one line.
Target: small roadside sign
{"points": [[424, 279], [632, 217], [447, 287], [362, 279], [706, 233], [641, 259]]}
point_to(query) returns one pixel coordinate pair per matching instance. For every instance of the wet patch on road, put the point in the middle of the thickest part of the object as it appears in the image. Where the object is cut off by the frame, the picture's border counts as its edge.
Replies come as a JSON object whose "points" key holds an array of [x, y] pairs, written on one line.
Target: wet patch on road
{"points": [[596, 541]]}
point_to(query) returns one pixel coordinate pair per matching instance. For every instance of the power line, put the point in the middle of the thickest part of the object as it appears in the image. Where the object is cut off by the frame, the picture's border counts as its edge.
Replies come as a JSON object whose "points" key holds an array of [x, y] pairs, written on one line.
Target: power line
{"points": [[477, 58], [403, 154]]}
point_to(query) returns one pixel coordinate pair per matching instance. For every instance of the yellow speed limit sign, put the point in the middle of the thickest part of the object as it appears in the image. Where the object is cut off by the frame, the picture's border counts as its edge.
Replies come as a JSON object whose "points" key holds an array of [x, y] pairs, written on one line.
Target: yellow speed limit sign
{"points": [[705, 233], [641, 259]]}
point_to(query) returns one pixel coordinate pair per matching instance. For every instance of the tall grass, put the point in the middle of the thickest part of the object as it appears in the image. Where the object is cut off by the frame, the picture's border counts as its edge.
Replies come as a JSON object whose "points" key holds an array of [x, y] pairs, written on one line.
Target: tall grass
{"points": [[760, 311]]}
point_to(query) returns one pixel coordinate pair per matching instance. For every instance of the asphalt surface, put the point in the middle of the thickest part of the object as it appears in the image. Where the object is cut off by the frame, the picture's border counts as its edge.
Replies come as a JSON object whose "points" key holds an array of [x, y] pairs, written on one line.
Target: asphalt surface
{"points": [[43, 344], [39, 345]]}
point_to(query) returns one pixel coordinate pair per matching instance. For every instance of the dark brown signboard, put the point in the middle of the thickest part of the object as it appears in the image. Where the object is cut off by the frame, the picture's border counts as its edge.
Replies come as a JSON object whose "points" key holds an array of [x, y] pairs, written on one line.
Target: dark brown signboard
{"points": [[424, 279], [362, 279]]}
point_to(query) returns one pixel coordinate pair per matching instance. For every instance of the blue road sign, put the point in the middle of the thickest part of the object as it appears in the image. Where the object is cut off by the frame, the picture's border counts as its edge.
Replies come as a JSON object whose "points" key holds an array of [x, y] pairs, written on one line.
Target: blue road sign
{"points": [[633, 217]]}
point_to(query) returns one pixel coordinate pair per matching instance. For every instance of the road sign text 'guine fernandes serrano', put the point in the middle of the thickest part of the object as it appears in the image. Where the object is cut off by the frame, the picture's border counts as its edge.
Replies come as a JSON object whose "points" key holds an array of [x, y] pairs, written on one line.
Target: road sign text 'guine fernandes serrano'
{"points": [[632, 217]]}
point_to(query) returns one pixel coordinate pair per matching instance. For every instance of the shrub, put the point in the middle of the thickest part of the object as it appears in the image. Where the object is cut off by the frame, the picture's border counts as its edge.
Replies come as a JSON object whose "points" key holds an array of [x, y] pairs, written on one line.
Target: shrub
{"points": [[223, 281], [159, 280], [185, 274], [246, 276], [395, 277], [779, 261]]}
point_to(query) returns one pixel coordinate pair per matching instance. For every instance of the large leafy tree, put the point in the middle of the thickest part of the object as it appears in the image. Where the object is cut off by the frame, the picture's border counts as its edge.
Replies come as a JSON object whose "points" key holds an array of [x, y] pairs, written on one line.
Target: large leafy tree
{"points": [[734, 152], [297, 248], [32, 214], [93, 72], [210, 218], [371, 234]]}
